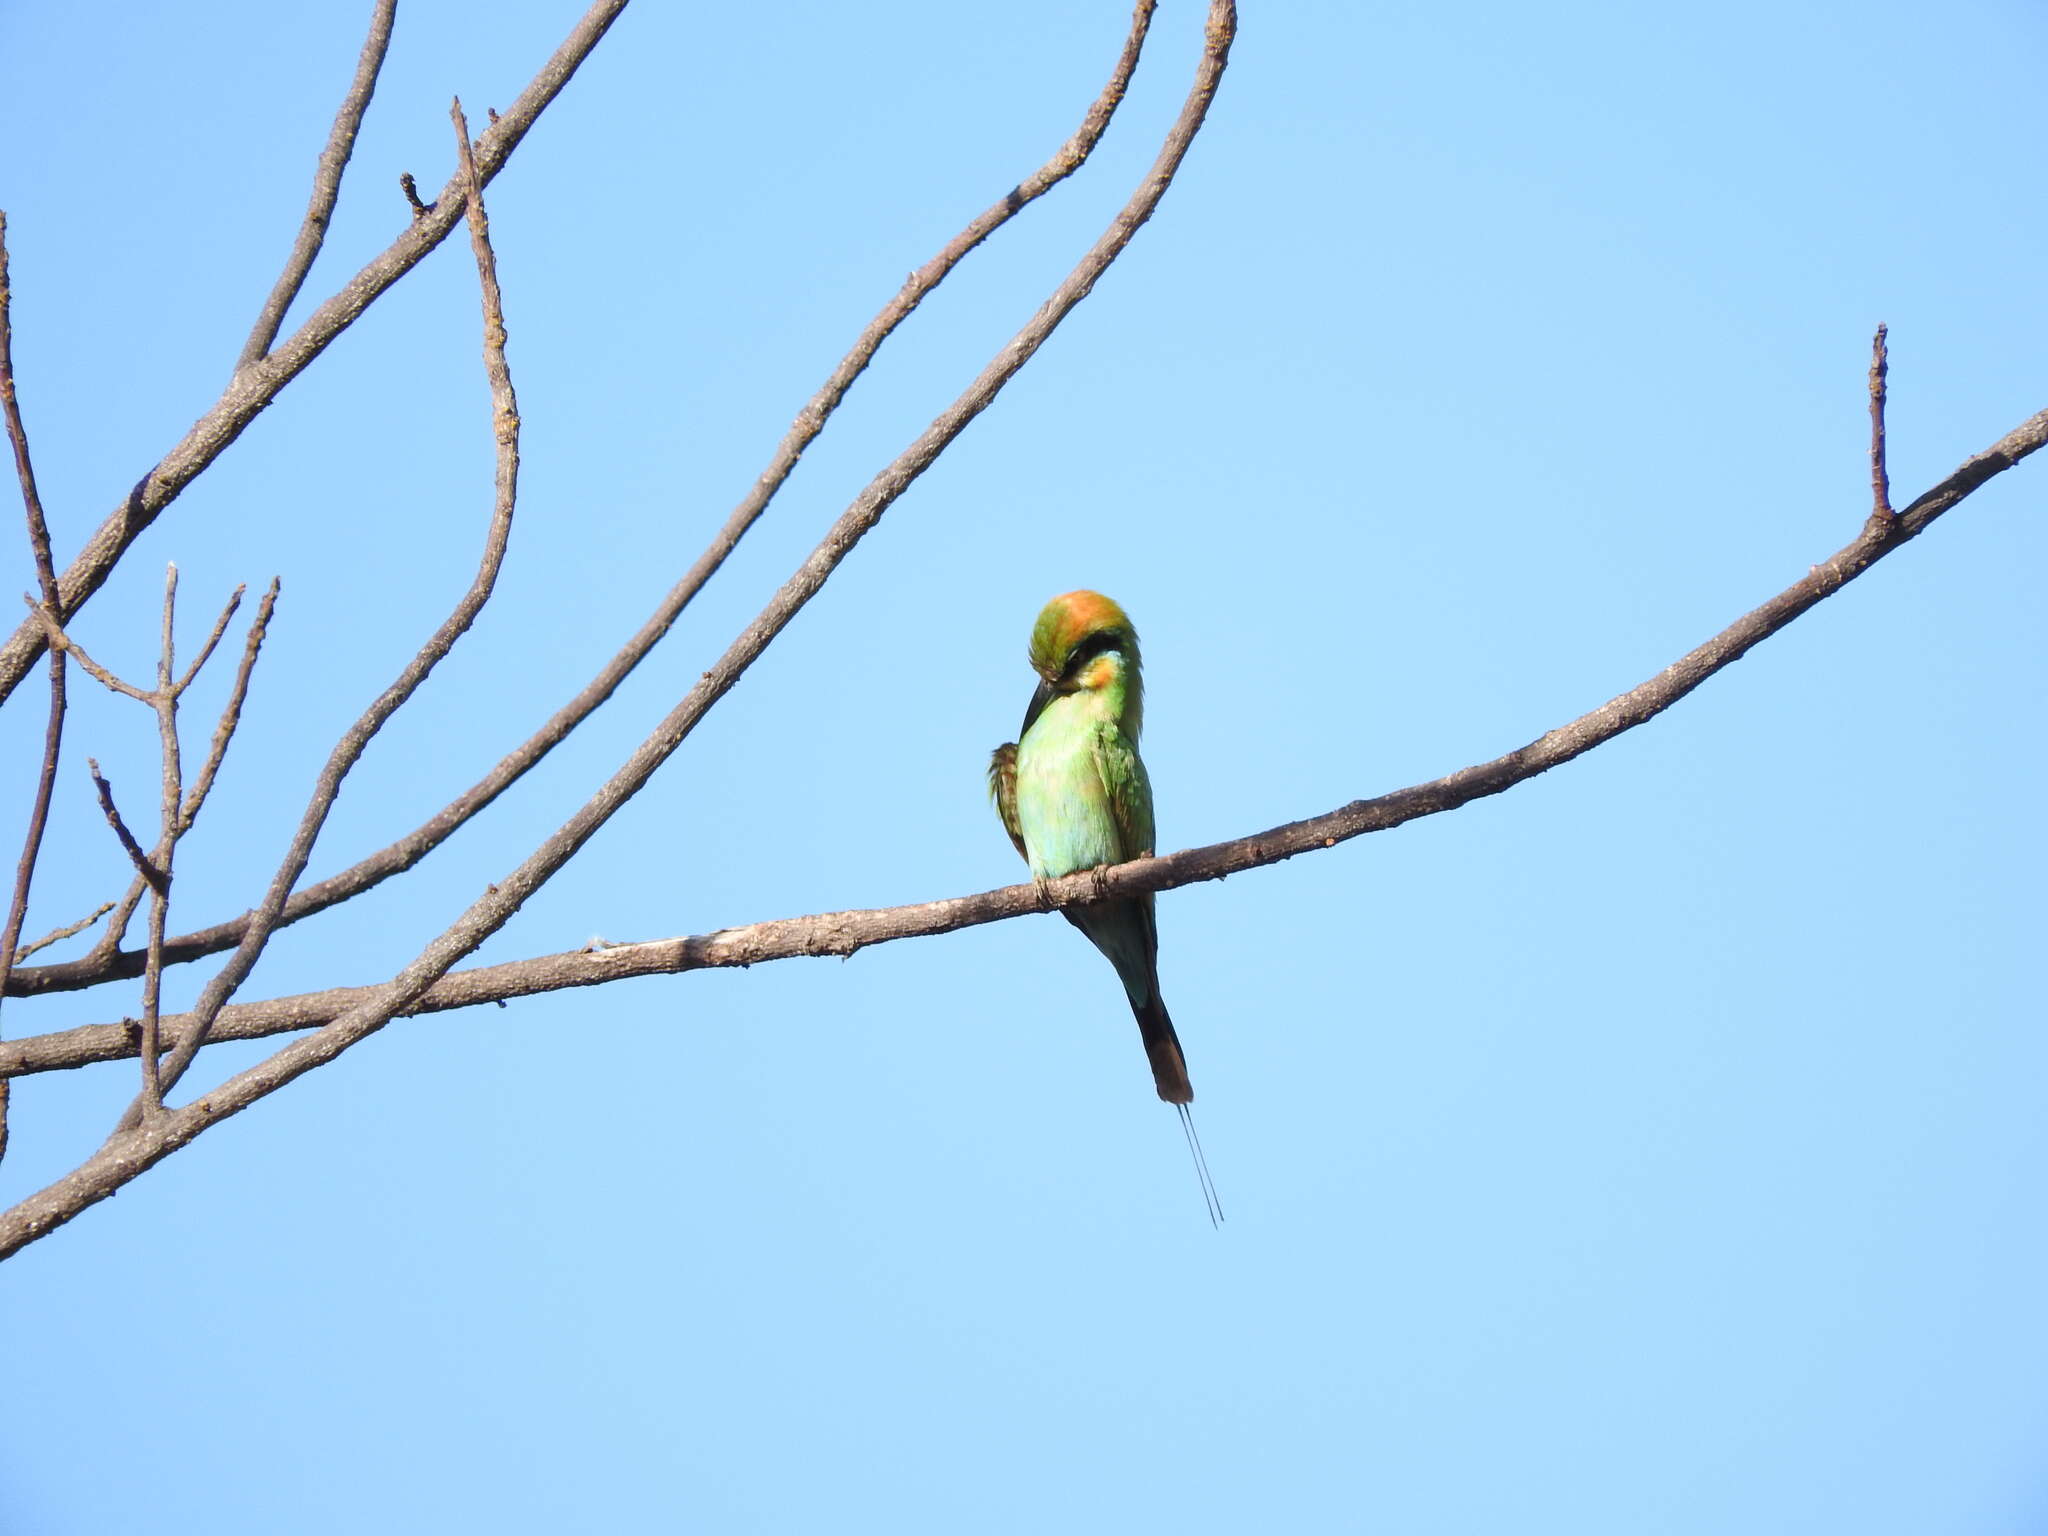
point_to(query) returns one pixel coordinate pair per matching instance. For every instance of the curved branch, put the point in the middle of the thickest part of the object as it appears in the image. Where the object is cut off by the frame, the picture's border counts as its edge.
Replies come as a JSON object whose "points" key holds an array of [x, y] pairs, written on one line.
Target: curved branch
{"points": [[106, 963], [132, 1151], [256, 386], [844, 933], [356, 739]]}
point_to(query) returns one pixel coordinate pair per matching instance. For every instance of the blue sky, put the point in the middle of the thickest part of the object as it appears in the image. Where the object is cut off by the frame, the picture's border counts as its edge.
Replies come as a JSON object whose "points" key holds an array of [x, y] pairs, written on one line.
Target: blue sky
{"points": [[1657, 1147]]}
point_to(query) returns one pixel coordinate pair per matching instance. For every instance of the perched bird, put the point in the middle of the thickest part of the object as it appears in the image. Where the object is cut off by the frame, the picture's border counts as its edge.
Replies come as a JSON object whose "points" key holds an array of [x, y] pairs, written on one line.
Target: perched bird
{"points": [[1073, 795]]}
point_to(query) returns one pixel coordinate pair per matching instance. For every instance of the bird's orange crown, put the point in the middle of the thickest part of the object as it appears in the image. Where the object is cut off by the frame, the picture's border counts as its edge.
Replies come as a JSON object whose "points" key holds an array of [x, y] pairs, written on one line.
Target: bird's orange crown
{"points": [[1068, 620]]}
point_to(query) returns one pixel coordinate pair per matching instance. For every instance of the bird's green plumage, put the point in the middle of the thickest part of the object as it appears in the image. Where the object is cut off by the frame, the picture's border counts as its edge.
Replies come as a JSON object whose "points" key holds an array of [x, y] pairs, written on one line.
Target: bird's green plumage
{"points": [[1073, 795]]}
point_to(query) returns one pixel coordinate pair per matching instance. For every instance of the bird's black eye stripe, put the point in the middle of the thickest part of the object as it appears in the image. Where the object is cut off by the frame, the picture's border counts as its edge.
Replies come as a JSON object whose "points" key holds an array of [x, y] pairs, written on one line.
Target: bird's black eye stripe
{"points": [[1101, 641]]}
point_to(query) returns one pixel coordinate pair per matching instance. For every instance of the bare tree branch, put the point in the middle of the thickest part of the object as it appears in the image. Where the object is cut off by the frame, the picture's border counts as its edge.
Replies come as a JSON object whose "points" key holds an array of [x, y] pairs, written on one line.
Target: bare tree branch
{"points": [[341, 143], [132, 1151], [107, 962], [46, 575], [505, 428], [256, 386], [845, 933]]}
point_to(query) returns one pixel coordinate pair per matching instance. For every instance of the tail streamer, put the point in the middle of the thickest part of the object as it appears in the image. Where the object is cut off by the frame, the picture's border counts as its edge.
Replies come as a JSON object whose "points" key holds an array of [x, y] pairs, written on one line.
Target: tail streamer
{"points": [[1187, 1124]]}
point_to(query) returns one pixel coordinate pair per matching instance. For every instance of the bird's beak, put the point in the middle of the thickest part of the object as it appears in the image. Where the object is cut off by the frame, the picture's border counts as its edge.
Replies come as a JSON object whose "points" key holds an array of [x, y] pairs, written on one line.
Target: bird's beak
{"points": [[1039, 699]]}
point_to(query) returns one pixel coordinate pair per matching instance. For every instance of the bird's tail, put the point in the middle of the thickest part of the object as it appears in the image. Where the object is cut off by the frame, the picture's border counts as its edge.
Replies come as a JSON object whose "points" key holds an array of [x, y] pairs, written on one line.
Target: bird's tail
{"points": [[1162, 1047]]}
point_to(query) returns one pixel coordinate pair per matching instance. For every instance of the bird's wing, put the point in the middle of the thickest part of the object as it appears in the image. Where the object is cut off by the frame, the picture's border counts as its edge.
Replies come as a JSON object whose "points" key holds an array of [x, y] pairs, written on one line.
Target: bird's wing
{"points": [[1128, 790], [1002, 788]]}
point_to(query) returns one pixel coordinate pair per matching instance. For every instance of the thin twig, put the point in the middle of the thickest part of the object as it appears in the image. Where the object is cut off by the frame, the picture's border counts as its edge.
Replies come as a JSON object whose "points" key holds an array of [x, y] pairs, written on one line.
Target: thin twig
{"points": [[129, 846], [254, 388], [220, 627], [411, 189], [1880, 476], [108, 962], [130, 1152], [231, 712], [55, 635], [505, 428], [58, 935], [845, 933], [341, 143], [17, 432], [46, 577]]}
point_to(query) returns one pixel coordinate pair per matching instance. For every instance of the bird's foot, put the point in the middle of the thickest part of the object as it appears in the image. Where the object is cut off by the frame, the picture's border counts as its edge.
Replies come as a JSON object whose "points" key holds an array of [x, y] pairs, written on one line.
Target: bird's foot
{"points": [[1045, 901]]}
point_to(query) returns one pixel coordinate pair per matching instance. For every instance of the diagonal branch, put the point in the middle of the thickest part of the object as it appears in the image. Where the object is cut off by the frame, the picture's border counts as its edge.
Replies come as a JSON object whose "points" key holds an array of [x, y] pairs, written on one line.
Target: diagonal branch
{"points": [[132, 1151], [255, 387], [107, 962], [844, 933], [341, 143]]}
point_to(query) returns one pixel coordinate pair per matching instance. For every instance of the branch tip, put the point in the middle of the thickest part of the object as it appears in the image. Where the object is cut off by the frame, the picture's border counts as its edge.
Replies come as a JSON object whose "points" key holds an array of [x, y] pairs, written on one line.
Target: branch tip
{"points": [[1880, 476]]}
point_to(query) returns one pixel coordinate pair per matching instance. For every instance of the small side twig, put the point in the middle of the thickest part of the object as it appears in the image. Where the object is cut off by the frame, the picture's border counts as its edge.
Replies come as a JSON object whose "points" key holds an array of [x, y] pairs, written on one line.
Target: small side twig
{"points": [[220, 627], [58, 935], [63, 643], [1880, 476], [231, 712], [129, 845], [411, 189], [341, 143]]}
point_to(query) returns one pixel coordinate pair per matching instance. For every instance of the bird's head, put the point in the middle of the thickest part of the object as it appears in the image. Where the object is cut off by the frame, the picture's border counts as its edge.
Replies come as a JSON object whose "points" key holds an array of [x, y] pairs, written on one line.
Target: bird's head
{"points": [[1084, 643]]}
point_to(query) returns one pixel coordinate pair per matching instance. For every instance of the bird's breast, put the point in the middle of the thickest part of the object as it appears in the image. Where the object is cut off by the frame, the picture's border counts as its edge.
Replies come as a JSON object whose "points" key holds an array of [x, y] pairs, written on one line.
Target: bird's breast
{"points": [[1062, 805]]}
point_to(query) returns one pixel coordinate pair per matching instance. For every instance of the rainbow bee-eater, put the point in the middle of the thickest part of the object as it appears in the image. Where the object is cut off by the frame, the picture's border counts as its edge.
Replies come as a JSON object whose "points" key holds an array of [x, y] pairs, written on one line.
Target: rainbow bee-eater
{"points": [[1073, 795]]}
